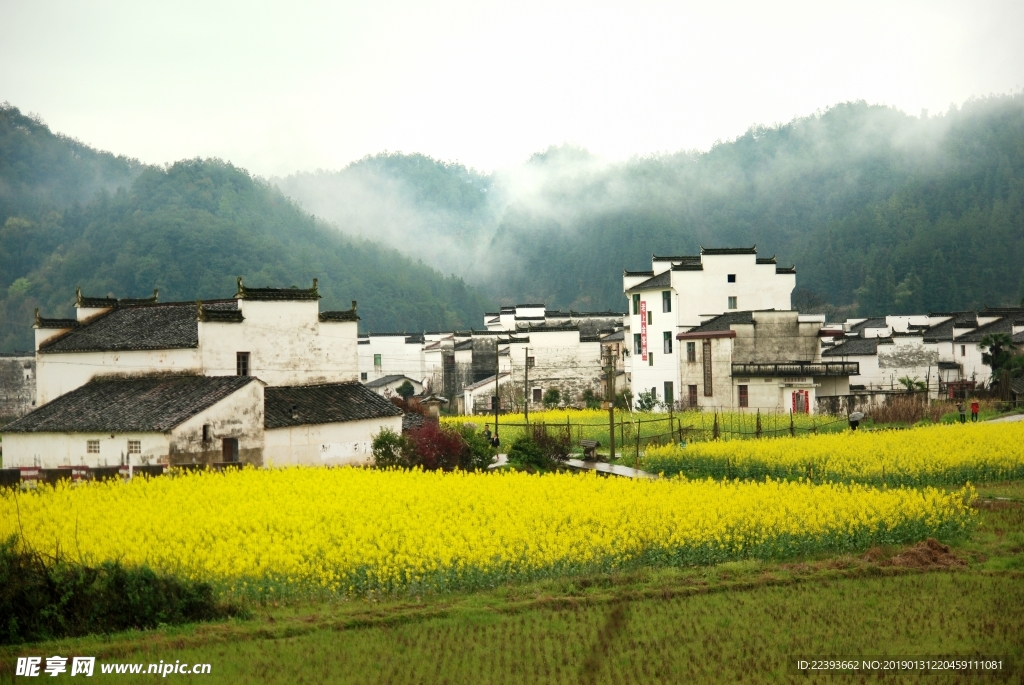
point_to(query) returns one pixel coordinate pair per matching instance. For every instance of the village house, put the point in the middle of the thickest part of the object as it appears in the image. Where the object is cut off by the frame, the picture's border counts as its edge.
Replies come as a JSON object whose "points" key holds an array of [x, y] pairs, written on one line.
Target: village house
{"points": [[17, 385], [172, 354], [768, 361], [679, 294]]}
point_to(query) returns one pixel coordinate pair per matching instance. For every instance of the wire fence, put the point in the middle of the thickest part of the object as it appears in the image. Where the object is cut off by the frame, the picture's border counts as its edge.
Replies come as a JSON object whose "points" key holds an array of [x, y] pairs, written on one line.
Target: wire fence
{"points": [[635, 431]]}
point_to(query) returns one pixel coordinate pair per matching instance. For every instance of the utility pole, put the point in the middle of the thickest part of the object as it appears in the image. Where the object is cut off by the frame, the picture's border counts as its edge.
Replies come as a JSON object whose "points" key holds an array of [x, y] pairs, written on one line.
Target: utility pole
{"points": [[497, 397], [526, 386], [610, 395]]}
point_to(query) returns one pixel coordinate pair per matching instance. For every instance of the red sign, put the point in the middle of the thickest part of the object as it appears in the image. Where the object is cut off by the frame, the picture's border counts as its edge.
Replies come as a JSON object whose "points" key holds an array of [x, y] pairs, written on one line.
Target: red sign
{"points": [[643, 329]]}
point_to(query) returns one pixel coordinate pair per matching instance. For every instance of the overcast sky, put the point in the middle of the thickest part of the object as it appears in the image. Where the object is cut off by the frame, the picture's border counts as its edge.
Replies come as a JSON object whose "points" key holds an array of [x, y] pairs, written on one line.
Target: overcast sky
{"points": [[278, 87]]}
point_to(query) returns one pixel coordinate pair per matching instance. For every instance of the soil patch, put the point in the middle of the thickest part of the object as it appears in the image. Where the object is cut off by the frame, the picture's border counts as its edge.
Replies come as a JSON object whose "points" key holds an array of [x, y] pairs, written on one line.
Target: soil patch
{"points": [[928, 554]]}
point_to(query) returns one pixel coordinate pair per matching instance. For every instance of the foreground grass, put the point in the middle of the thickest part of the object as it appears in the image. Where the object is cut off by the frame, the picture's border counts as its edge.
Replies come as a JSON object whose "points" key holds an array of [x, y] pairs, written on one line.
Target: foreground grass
{"points": [[735, 622]]}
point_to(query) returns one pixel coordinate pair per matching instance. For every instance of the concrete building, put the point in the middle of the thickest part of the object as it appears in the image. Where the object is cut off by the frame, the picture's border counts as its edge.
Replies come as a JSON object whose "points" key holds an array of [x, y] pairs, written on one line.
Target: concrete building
{"points": [[768, 361], [680, 293]]}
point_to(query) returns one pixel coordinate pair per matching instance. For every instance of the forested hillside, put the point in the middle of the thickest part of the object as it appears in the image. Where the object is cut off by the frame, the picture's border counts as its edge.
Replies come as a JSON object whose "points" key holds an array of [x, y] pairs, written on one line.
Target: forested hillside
{"points": [[70, 216], [882, 212]]}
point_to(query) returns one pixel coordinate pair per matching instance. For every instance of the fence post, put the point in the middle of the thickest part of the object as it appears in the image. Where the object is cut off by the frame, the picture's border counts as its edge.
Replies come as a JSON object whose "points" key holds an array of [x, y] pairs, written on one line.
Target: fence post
{"points": [[714, 429], [792, 429], [758, 429]]}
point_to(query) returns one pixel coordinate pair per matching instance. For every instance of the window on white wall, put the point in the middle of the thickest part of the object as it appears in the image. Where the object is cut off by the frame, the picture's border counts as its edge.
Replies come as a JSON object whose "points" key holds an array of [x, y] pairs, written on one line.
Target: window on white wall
{"points": [[376, 361], [667, 340], [92, 446], [731, 278], [134, 447], [636, 304], [732, 303], [666, 300]]}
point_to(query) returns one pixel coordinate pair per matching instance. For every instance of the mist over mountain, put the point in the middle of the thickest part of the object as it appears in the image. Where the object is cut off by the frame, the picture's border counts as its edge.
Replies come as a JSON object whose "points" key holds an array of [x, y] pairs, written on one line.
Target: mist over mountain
{"points": [[882, 212], [71, 216]]}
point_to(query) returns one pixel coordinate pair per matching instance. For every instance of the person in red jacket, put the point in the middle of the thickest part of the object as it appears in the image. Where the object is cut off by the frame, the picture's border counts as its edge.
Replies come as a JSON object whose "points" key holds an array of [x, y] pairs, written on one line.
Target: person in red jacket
{"points": [[974, 410]]}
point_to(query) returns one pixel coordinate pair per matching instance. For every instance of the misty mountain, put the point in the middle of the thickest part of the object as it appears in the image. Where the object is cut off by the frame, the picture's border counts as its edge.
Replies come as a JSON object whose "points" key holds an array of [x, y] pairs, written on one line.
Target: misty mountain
{"points": [[72, 217], [879, 210]]}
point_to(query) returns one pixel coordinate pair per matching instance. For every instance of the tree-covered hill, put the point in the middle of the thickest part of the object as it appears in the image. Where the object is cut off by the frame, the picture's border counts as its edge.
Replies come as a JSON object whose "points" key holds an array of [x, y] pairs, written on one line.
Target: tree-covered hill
{"points": [[882, 212], [188, 229]]}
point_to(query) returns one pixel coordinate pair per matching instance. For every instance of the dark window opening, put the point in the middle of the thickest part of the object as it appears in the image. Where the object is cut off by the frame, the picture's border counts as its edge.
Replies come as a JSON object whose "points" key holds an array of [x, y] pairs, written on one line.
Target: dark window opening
{"points": [[691, 351], [537, 395], [692, 391], [732, 278], [363, 375], [529, 362], [636, 304], [241, 363], [650, 358], [667, 338], [743, 396], [666, 300], [637, 344], [669, 393]]}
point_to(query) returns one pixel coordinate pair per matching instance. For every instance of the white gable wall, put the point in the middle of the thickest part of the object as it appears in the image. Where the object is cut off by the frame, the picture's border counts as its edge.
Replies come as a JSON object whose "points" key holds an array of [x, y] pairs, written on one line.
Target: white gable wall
{"points": [[59, 373]]}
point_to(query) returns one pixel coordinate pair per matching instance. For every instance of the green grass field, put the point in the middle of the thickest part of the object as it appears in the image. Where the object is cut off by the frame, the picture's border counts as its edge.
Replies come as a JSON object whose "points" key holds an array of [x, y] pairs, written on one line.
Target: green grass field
{"points": [[737, 622]]}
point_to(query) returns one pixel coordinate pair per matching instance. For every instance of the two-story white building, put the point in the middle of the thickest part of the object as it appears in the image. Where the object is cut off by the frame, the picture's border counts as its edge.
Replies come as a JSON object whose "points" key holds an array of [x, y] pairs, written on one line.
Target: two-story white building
{"points": [[168, 357], [680, 293]]}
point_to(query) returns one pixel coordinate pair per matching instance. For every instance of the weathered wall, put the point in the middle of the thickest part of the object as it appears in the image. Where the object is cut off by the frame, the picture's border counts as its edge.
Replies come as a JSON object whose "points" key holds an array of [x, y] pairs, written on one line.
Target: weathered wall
{"points": [[560, 361], [328, 444], [50, 450], [17, 385], [286, 342], [239, 415], [58, 374], [776, 337]]}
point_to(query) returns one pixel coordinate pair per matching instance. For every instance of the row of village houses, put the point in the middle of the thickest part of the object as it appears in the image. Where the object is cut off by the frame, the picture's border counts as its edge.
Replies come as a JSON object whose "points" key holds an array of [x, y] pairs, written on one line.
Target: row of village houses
{"points": [[266, 377]]}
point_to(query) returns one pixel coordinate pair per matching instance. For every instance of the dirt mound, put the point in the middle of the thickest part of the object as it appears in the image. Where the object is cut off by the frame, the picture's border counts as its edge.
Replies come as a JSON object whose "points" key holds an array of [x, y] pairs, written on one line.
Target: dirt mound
{"points": [[928, 554]]}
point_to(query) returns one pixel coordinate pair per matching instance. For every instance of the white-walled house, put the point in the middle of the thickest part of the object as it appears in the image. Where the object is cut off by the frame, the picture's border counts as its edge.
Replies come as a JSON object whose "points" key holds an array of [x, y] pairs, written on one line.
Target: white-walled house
{"points": [[157, 419], [390, 384], [325, 425], [276, 334], [145, 382], [680, 293]]}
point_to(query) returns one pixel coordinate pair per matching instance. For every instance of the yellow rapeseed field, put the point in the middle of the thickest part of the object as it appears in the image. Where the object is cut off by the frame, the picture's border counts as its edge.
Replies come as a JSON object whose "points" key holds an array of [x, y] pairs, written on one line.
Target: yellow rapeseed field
{"points": [[354, 531], [951, 454]]}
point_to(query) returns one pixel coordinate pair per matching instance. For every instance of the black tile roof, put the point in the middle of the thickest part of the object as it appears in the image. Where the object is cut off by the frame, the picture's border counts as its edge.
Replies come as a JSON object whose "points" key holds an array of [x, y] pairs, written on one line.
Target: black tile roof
{"points": [[344, 315], [785, 269], [1004, 325], [55, 323], [172, 325], [384, 380], [876, 322], [662, 280], [277, 294], [723, 322], [728, 250], [1017, 386], [637, 273], [152, 404], [301, 405], [692, 259], [944, 331], [687, 267], [110, 302], [856, 346], [219, 315]]}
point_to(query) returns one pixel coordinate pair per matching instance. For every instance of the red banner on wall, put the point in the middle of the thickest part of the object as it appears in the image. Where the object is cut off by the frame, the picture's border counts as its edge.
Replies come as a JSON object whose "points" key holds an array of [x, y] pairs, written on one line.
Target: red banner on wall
{"points": [[643, 329]]}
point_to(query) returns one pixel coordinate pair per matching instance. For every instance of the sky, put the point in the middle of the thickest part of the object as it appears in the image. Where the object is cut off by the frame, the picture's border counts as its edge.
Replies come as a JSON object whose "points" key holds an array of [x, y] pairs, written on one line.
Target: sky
{"points": [[280, 87]]}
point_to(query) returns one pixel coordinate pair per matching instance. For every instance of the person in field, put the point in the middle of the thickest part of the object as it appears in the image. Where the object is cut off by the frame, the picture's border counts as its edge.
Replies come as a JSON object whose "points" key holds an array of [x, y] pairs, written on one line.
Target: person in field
{"points": [[963, 412], [975, 408]]}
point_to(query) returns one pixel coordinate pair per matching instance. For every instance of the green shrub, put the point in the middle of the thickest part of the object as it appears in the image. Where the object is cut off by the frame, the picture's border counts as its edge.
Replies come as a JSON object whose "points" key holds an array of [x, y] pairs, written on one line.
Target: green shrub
{"points": [[479, 454], [391, 449], [526, 452], [42, 600], [552, 397]]}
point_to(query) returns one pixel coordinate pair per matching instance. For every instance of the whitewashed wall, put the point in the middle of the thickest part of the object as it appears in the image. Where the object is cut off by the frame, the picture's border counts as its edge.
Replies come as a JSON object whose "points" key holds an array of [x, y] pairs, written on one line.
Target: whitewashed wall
{"points": [[287, 344], [59, 374], [50, 450], [327, 444]]}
